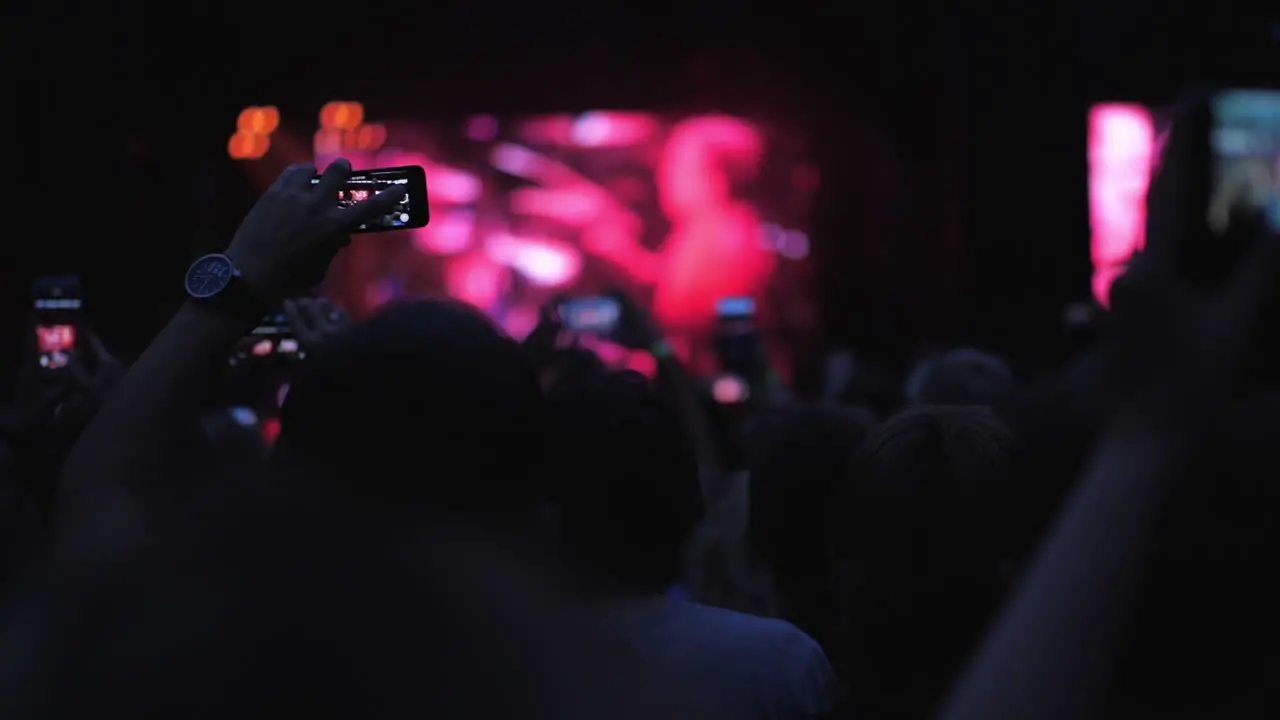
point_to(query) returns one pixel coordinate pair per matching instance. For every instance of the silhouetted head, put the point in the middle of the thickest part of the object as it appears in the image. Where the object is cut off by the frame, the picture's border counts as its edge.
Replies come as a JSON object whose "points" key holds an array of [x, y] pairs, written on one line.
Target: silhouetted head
{"points": [[625, 479], [801, 457], [962, 377], [919, 547], [268, 612], [427, 402], [571, 365]]}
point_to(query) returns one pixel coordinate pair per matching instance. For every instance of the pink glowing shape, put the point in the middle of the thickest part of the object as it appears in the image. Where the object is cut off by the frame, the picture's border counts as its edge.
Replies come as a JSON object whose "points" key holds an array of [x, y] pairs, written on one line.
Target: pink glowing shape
{"points": [[600, 128], [449, 186], [554, 130], [474, 279], [544, 262], [574, 206], [1122, 148], [714, 249], [515, 160], [482, 128], [449, 233]]}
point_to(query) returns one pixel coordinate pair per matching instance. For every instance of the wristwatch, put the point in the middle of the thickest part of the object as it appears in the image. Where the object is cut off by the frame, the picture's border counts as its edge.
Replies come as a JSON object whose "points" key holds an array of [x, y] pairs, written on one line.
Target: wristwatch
{"points": [[214, 281]]}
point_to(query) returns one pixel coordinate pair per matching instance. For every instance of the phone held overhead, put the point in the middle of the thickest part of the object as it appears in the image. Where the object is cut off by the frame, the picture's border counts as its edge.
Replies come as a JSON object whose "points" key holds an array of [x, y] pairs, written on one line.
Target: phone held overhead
{"points": [[411, 212], [56, 317]]}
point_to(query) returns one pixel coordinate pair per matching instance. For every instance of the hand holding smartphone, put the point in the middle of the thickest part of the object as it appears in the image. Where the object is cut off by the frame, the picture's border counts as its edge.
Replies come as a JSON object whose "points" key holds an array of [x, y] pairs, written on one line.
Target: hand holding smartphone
{"points": [[1245, 157], [56, 315], [411, 212], [596, 315]]}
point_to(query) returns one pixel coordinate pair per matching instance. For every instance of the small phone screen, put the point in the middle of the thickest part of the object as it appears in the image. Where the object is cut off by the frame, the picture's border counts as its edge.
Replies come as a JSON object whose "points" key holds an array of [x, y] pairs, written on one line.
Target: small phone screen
{"points": [[1245, 144], [736, 307], [272, 338], [56, 345], [410, 212], [595, 315], [55, 311]]}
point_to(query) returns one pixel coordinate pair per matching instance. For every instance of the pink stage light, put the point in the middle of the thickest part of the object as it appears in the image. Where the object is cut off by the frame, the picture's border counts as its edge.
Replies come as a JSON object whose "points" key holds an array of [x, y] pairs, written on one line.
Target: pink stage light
{"points": [[515, 160], [1122, 150], [542, 261], [575, 206], [482, 128], [613, 129], [449, 233], [474, 279], [450, 186]]}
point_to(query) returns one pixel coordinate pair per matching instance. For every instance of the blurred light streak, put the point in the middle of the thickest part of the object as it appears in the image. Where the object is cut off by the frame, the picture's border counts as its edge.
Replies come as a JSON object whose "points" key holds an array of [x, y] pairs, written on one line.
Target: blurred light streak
{"points": [[1122, 151], [544, 262], [574, 207], [515, 160], [449, 233], [600, 128], [452, 187]]}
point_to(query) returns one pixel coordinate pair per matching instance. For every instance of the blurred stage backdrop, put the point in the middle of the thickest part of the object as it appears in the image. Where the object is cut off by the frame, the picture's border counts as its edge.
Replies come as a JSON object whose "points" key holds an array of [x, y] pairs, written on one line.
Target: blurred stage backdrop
{"points": [[676, 210], [888, 179]]}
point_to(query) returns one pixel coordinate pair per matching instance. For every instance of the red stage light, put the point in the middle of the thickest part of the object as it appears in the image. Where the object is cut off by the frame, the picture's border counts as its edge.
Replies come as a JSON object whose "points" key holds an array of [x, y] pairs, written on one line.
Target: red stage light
{"points": [[246, 146], [258, 120], [339, 115]]}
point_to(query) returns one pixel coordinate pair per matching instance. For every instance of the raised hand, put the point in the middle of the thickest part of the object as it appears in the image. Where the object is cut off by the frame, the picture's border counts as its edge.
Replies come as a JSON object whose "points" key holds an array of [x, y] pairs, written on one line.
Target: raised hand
{"points": [[314, 320], [540, 343], [288, 239], [636, 327], [1176, 347]]}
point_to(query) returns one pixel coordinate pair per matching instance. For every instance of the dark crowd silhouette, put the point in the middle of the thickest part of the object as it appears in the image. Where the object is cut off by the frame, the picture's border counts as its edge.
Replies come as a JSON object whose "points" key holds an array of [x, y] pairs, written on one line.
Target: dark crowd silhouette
{"points": [[452, 523]]}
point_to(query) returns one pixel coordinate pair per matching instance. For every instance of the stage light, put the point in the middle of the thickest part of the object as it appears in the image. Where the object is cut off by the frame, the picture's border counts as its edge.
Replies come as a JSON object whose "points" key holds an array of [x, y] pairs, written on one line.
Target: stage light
{"points": [[258, 120], [370, 136], [247, 146], [340, 115]]}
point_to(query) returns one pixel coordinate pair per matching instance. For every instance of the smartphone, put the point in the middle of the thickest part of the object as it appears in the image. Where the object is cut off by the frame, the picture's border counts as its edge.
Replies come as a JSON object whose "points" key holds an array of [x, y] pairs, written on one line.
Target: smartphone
{"points": [[56, 307], [736, 340], [1244, 143], [411, 212], [732, 308], [272, 339], [597, 315]]}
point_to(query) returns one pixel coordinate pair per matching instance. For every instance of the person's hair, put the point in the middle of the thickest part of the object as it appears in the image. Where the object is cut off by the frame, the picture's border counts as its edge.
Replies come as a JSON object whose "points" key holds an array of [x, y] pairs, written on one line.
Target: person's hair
{"points": [[626, 482], [426, 403], [918, 552], [801, 458], [962, 377]]}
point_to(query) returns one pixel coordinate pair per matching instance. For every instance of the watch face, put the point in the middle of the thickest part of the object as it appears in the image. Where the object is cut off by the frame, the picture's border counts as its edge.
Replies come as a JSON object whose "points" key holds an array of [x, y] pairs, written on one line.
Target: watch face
{"points": [[209, 276]]}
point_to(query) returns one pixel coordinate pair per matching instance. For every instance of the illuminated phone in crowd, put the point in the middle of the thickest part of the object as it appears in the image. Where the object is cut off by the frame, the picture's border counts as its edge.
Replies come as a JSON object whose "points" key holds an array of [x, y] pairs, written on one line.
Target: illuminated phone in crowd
{"points": [[56, 315], [597, 315], [271, 340], [736, 338], [411, 212], [1244, 156]]}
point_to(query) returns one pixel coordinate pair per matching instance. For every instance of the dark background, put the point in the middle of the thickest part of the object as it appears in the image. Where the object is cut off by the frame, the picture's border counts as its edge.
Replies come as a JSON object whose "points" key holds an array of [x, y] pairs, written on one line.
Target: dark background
{"points": [[951, 140]]}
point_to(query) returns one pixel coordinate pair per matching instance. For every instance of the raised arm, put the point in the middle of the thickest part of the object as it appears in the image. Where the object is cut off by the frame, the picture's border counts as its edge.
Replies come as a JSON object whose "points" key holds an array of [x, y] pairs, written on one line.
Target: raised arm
{"points": [[1179, 355], [285, 243]]}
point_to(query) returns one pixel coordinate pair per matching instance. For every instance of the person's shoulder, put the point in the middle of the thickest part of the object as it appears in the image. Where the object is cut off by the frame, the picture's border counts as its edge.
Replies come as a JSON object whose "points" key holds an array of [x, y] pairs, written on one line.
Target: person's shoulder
{"points": [[781, 640]]}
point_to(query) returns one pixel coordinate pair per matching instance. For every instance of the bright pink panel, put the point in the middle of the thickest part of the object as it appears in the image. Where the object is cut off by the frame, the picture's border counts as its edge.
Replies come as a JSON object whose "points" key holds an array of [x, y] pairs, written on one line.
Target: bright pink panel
{"points": [[1122, 147]]}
